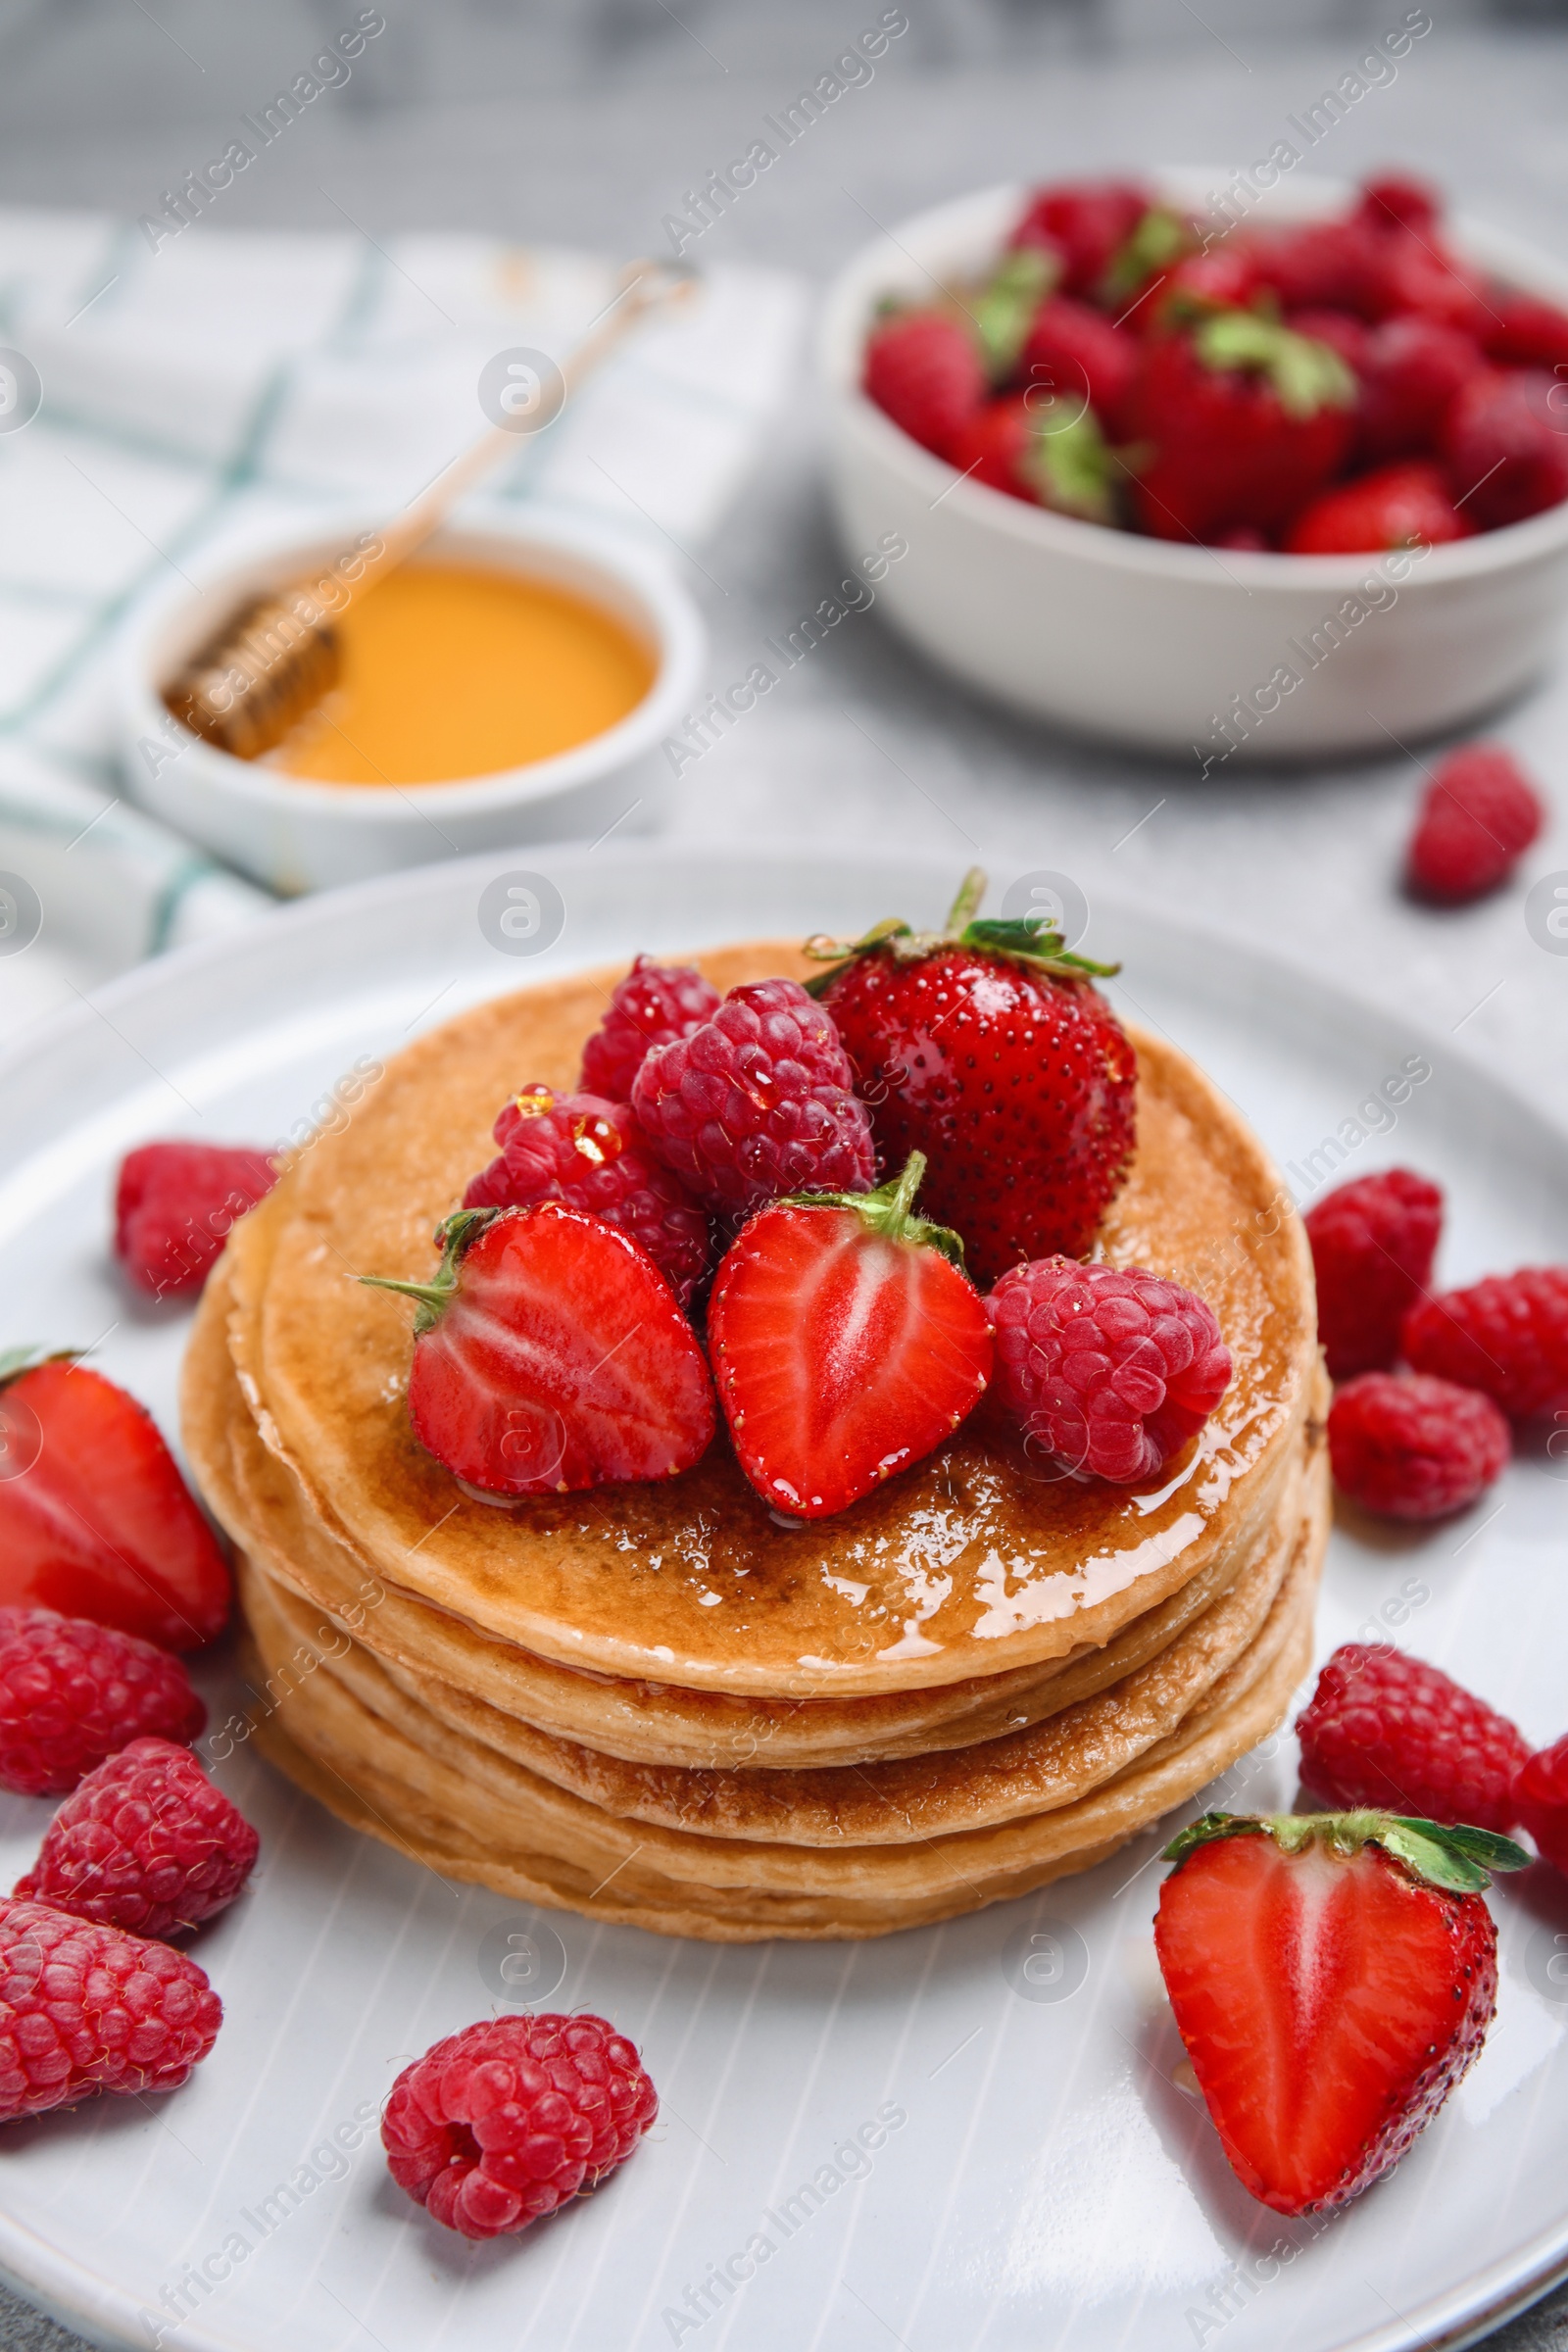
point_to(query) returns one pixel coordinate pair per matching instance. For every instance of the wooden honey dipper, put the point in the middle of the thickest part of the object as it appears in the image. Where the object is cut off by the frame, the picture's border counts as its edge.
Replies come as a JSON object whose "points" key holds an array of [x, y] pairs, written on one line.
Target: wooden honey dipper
{"points": [[277, 658]]}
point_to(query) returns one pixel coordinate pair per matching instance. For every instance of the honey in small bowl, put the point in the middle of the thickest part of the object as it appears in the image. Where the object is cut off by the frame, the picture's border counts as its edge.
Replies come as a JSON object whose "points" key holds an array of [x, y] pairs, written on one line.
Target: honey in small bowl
{"points": [[452, 671]]}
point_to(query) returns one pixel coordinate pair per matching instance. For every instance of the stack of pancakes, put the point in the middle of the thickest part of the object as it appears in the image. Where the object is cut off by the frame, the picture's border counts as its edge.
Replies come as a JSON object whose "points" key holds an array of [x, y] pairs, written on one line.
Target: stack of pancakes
{"points": [[669, 1706]]}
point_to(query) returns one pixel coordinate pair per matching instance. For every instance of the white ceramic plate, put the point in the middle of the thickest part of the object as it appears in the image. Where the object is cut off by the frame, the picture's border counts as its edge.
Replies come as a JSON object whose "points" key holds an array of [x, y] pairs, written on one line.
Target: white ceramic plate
{"points": [[1040, 2178]]}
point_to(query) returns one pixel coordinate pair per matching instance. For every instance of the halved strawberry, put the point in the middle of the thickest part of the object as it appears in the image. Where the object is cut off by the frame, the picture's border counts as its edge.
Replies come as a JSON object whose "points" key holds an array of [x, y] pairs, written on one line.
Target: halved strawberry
{"points": [[550, 1354], [846, 1342], [1333, 1976], [95, 1520]]}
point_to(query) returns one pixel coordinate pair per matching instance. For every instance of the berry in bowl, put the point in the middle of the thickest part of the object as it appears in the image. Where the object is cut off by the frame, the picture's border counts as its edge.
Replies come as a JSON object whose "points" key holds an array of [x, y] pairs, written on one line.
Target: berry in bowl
{"points": [[1266, 485]]}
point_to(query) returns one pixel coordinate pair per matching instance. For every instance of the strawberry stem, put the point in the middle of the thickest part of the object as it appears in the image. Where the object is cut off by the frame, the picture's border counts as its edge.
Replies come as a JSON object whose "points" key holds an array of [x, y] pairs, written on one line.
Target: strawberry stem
{"points": [[1032, 941], [452, 1239], [887, 1212], [1454, 1856], [14, 1362]]}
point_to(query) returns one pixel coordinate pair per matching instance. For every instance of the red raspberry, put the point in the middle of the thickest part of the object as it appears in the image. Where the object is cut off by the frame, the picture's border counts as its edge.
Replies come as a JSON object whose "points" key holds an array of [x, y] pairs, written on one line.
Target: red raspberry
{"points": [[146, 1844], [1507, 1336], [1506, 444], [1478, 817], [1373, 1242], [72, 1693], [1075, 354], [86, 2008], [922, 370], [1411, 370], [758, 1101], [655, 1004], [1383, 1729], [173, 1207], [1087, 221], [504, 2122], [1415, 1448], [1110, 1370], [594, 1155], [1540, 1802]]}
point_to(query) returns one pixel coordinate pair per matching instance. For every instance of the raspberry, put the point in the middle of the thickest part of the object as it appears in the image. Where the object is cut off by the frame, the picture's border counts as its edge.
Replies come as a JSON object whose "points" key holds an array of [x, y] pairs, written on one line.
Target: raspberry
{"points": [[594, 1155], [1526, 332], [1373, 1242], [1111, 1371], [1383, 1729], [173, 1207], [1479, 817], [1411, 369], [1506, 444], [1540, 1802], [653, 1005], [86, 2008], [504, 2122], [146, 1844], [758, 1101], [1507, 1336], [923, 370], [72, 1692], [1413, 1447]]}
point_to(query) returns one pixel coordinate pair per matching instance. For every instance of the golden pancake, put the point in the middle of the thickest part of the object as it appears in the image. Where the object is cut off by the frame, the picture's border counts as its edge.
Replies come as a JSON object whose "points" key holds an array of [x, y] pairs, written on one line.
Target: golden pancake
{"points": [[262, 1508], [968, 1566], [1050, 1764], [471, 1814]]}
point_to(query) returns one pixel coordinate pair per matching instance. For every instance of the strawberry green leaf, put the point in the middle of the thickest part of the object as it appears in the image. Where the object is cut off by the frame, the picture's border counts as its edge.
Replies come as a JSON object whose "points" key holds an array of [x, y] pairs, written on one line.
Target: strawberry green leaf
{"points": [[14, 1362], [1031, 941], [1306, 374], [1457, 1859], [1158, 240], [452, 1239], [886, 1211], [1074, 469], [1004, 310]]}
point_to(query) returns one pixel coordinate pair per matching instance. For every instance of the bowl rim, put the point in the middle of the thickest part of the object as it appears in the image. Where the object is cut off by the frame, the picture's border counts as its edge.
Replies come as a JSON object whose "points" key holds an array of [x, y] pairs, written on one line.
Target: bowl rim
{"points": [[979, 215], [673, 625]]}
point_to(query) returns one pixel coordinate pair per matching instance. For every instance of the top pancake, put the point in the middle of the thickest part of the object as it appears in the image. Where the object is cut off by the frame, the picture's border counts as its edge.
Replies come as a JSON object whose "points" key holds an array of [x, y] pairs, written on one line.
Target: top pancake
{"points": [[977, 1561]]}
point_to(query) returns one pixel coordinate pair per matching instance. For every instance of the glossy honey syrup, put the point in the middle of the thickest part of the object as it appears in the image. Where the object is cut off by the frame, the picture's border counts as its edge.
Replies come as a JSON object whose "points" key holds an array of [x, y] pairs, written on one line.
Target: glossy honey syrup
{"points": [[452, 670]]}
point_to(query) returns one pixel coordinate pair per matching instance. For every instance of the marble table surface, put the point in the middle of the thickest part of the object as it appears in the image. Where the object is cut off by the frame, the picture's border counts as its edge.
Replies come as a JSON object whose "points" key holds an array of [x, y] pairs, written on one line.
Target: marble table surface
{"points": [[586, 127]]}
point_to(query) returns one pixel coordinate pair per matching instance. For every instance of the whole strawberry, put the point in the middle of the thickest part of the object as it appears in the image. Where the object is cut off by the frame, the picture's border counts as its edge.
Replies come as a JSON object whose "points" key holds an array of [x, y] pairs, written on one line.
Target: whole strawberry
{"points": [[497, 2125], [925, 370], [655, 1004], [146, 1844], [1332, 1976], [988, 1048], [85, 2008], [72, 1692], [592, 1155], [1397, 506], [1243, 421], [1540, 1802], [756, 1102]]}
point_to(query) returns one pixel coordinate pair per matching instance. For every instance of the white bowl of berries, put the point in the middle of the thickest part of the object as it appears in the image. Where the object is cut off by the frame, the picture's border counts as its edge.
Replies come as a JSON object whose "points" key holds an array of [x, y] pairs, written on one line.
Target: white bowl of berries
{"points": [[1257, 473]]}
